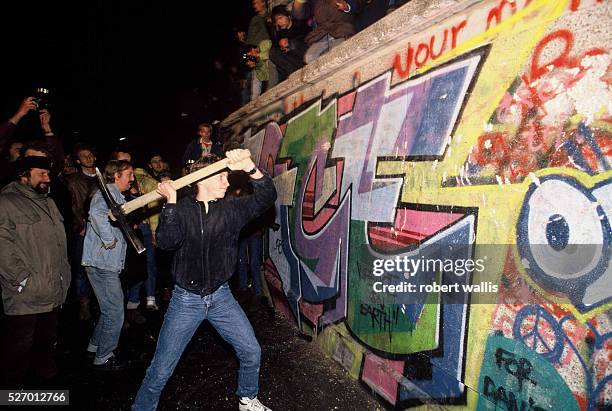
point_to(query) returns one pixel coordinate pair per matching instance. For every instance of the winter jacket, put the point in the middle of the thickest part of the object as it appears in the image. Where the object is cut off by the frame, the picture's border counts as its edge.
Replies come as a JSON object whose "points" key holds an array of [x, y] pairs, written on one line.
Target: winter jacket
{"points": [[101, 233], [295, 34], [258, 30], [33, 247], [146, 184], [329, 20], [206, 243], [81, 187]]}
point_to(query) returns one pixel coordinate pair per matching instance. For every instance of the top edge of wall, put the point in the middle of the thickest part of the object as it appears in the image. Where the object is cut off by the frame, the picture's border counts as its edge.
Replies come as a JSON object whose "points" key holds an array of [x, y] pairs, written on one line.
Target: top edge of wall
{"points": [[412, 18]]}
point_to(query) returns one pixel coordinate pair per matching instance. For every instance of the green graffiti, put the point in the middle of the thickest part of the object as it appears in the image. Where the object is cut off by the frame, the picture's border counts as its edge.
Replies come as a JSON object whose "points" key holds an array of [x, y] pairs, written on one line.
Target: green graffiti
{"points": [[304, 131], [513, 377], [377, 320]]}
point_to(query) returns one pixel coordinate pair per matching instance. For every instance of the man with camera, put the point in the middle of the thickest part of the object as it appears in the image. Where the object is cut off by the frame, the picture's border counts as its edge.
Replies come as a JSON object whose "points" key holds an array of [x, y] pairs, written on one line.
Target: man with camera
{"points": [[11, 147], [257, 58]]}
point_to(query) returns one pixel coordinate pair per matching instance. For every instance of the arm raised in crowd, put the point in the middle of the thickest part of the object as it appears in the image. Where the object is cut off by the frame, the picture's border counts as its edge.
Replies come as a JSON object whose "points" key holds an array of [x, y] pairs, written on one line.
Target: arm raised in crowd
{"points": [[8, 128], [57, 149]]}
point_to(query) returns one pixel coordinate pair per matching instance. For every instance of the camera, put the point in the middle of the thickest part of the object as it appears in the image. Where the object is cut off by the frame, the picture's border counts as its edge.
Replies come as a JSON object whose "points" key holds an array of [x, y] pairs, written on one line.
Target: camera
{"points": [[247, 57], [41, 98]]}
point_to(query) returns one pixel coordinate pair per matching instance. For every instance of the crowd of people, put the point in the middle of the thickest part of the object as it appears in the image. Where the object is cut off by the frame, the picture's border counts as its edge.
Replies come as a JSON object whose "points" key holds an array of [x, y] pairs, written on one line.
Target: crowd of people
{"points": [[283, 36], [265, 48], [58, 243]]}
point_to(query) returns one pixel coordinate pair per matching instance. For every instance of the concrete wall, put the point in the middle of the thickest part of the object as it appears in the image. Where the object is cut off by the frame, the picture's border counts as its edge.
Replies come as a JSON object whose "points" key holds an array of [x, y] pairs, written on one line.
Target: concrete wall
{"points": [[483, 121]]}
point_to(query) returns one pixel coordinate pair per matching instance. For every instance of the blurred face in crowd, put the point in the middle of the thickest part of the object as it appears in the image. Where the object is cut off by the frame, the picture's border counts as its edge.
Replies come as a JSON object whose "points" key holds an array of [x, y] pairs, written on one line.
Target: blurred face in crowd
{"points": [[69, 167], [214, 187], [204, 133], [259, 6], [86, 159], [124, 179], [157, 164], [14, 150], [282, 22], [122, 155], [38, 179]]}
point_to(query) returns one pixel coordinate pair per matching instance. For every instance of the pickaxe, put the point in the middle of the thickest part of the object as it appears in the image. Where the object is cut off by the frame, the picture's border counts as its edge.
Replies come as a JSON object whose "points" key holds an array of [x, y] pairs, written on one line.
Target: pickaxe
{"points": [[119, 212], [115, 214]]}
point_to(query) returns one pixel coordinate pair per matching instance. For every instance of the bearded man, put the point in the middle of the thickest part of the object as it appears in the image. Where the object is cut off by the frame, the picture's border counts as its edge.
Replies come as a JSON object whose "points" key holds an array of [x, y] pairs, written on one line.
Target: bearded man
{"points": [[34, 273]]}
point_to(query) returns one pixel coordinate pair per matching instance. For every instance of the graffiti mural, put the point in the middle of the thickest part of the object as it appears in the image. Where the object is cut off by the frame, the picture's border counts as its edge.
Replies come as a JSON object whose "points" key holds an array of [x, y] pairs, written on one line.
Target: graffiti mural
{"points": [[490, 129], [550, 116], [565, 246], [515, 378]]}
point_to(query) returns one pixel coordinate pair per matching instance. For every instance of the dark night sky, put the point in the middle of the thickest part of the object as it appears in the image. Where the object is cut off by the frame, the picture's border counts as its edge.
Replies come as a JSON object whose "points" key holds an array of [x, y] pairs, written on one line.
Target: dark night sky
{"points": [[115, 68]]}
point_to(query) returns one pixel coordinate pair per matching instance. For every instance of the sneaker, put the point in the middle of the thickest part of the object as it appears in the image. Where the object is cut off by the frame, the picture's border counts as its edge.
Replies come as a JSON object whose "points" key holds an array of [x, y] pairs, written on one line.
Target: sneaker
{"points": [[112, 364], [251, 404], [151, 304], [134, 316]]}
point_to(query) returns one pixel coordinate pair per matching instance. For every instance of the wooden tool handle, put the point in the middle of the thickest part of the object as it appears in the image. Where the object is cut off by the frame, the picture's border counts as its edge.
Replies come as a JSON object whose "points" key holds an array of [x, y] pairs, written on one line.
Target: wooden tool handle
{"points": [[179, 183]]}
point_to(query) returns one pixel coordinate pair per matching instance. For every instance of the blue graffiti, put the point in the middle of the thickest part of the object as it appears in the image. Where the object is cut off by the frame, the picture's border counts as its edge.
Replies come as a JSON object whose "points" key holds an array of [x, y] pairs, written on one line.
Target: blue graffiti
{"points": [[553, 351], [565, 240]]}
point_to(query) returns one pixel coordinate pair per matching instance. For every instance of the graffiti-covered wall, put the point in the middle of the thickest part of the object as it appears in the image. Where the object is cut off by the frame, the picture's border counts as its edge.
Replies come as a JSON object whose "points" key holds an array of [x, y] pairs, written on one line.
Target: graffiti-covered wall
{"points": [[485, 124]]}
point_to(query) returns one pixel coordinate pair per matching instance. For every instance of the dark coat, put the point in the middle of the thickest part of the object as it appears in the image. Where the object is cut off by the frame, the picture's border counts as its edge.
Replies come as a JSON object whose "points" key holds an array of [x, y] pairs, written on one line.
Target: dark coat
{"points": [[82, 188], [33, 247], [206, 244], [329, 20]]}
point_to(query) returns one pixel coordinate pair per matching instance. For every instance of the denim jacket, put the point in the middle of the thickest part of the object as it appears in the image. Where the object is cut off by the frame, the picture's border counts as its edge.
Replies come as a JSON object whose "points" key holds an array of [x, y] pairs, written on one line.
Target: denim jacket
{"points": [[101, 233]]}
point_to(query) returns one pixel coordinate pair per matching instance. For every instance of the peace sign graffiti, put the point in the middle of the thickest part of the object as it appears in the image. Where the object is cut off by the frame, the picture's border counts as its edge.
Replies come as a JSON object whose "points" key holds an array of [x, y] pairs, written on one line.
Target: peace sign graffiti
{"points": [[545, 335]]}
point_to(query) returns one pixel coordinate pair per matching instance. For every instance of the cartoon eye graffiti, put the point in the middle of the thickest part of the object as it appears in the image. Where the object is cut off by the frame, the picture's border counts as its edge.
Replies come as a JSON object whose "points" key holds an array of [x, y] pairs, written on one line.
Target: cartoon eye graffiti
{"points": [[564, 239]]}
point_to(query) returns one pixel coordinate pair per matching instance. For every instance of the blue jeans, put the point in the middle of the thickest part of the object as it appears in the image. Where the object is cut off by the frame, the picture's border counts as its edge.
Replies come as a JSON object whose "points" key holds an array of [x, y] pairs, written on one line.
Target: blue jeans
{"points": [[249, 256], [150, 282], [107, 288], [321, 46], [185, 314], [256, 85]]}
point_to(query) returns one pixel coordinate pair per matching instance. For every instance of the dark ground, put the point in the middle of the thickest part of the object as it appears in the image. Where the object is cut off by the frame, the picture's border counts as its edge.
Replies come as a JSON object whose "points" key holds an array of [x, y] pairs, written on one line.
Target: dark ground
{"points": [[295, 374]]}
